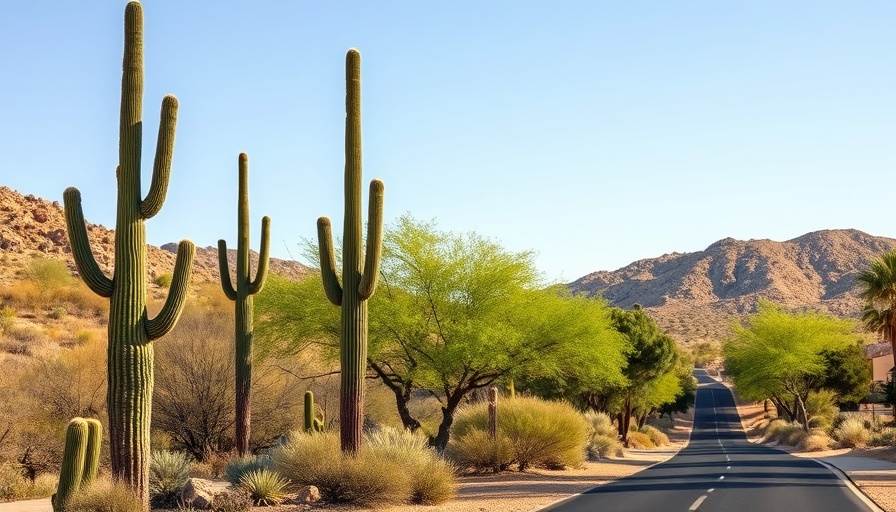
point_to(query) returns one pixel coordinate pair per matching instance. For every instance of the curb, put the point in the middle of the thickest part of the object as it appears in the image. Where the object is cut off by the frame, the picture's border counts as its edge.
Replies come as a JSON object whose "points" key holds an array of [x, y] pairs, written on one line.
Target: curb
{"points": [[843, 475]]}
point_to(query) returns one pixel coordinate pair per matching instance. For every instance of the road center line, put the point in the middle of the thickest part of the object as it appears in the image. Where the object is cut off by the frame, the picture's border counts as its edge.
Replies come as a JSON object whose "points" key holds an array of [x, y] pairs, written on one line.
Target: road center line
{"points": [[710, 490], [722, 477], [697, 503]]}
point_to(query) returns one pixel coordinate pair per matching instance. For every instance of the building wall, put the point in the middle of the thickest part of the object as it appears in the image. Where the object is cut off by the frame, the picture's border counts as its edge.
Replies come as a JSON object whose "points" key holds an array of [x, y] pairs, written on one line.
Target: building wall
{"points": [[880, 367]]}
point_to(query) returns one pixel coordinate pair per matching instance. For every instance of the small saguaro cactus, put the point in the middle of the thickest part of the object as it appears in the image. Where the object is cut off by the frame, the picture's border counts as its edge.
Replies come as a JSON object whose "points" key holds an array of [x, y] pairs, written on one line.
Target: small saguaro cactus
{"points": [[80, 459], [242, 294], [131, 331], [312, 422], [360, 270]]}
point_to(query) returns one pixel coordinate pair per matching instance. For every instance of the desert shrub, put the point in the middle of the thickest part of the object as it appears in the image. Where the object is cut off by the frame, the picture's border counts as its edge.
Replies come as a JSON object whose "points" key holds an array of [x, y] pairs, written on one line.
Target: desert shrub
{"points": [[601, 423], [163, 280], [266, 487], [789, 433], [886, 436], [103, 495], [852, 433], [821, 408], [25, 333], [57, 312], [239, 466], [432, 479], [603, 446], [168, 474], [238, 500], [639, 440], [475, 450], [48, 275], [12, 482], [541, 432], [317, 460], [7, 317], [656, 436], [816, 442]]}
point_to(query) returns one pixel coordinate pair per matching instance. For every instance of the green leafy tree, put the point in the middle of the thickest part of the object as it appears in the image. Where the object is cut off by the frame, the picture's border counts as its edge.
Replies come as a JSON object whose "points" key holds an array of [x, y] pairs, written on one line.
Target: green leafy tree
{"points": [[455, 313], [847, 374], [781, 356], [878, 289]]}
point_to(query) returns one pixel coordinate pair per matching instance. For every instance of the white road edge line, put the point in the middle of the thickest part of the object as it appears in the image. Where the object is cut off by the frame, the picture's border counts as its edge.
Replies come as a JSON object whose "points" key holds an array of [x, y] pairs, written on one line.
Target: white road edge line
{"points": [[697, 503], [849, 484]]}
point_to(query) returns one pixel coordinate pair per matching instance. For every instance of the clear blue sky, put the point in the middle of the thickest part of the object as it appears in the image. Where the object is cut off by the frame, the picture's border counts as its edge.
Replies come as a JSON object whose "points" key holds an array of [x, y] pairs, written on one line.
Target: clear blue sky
{"points": [[595, 133]]}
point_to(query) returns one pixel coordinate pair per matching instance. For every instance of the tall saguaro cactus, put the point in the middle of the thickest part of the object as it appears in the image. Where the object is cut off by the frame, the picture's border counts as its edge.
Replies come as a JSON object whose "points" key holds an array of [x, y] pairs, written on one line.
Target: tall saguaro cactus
{"points": [[359, 270], [130, 351], [242, 294]]}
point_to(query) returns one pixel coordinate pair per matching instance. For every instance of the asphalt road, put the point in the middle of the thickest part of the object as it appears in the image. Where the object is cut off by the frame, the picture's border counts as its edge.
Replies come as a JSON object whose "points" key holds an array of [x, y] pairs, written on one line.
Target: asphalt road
{"points": [[720, 471]]}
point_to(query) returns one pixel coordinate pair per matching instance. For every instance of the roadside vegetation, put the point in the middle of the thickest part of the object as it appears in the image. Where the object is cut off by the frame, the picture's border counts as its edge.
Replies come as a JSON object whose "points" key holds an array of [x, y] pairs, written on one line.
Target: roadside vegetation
{"points": [[455, 316]]}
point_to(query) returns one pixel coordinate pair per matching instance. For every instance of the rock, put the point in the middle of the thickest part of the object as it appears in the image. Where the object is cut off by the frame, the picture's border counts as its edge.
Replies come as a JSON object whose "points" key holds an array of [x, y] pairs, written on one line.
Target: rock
{"points": [[200, 493], [308, 494], [58, 236], [170, 247], [40, 215]]}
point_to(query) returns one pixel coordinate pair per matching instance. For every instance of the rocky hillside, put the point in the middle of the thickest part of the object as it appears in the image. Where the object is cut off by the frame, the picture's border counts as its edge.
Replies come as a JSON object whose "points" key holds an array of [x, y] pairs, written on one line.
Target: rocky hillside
{"points": [[31, 226], [695, 296]]}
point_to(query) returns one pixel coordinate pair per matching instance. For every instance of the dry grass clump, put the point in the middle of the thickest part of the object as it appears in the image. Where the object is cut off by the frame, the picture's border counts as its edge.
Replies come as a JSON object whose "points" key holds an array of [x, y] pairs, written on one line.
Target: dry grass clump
{"points": [[852, 433], [639, 440], [390, 469], [885, 436], [657, 437], [816, 442], [476, 451], [604, 441], [103, 495], [789, 433], [15, 486], [542, 433]]}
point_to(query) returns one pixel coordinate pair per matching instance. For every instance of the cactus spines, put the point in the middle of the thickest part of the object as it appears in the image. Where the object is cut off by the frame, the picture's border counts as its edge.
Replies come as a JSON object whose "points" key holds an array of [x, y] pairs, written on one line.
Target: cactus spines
{"points": [[493, 413], [80, 459], [360, 269], [130, 353], [312, 422], [241, 294]]}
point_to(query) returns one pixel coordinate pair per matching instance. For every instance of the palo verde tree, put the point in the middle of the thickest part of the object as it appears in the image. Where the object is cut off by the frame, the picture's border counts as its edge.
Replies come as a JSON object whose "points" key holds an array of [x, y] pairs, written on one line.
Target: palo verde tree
{"points": [[359, 268], [455, 313], [242, 294], [782, 356], [130, 351]]}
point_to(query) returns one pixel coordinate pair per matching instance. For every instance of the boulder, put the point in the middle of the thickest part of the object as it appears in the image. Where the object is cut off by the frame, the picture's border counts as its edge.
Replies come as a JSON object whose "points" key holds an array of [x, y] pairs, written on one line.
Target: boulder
{"points": [[200, 493], [308, 495]]}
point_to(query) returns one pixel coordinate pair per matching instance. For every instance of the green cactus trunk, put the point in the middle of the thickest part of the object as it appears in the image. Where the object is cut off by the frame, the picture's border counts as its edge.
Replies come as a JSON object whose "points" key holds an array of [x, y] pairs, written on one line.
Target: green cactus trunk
{"points": [[357, 285], [309, 412], [242, 297], [130, 353]]}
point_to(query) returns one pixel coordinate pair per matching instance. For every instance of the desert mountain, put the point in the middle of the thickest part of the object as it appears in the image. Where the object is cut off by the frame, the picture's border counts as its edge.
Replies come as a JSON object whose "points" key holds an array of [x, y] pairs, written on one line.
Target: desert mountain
{"points": [[31, 226], [695, 295]]}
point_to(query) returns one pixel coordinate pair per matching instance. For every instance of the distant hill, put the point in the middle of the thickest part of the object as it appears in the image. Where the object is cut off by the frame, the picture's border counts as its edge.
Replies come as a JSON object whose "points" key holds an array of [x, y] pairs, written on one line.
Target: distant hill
{"points": [[31, 226], [695, 296]]}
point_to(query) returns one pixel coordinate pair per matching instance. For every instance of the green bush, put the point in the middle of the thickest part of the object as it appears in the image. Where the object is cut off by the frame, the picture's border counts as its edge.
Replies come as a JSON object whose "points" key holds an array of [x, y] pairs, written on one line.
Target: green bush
{"points": [[266, 487], [7, 317], [238, 467], [168, 474], [48, 274], [821, 408], [163, 280], [542, 433], [852, 433], [103, 495]]}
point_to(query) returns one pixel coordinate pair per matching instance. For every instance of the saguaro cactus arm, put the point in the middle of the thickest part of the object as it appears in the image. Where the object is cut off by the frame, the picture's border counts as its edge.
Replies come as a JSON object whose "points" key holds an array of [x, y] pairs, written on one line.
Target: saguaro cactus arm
{"points": [[261, 273], [374, 241], [328, 261], [161, 170], [72, 471], [224, 270], [77, 235], [177, 293]]}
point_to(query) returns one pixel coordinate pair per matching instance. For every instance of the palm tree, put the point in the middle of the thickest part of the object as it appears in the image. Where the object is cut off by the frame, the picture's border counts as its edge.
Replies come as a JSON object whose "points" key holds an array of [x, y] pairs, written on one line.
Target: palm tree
{"points": [[879, 291]]}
